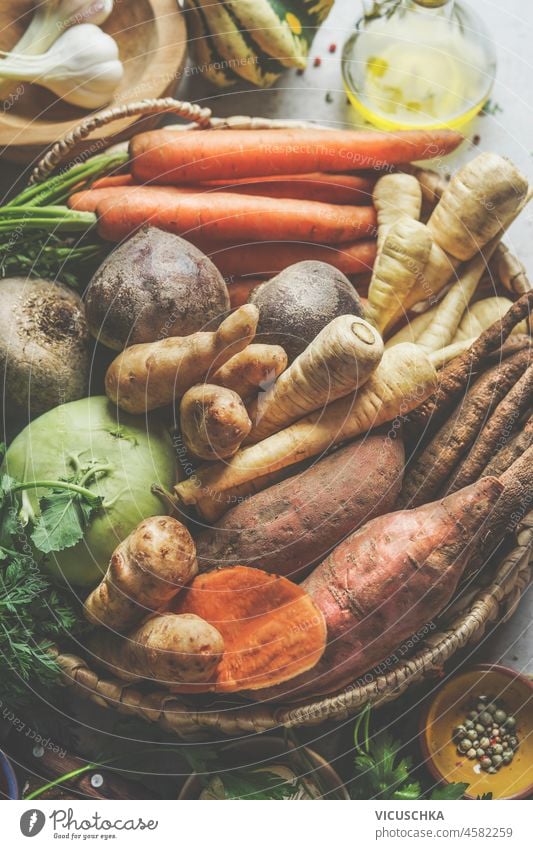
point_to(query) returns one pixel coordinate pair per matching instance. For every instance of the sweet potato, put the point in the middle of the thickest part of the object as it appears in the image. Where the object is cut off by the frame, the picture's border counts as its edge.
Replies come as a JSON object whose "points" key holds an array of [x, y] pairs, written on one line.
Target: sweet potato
{"points": [[386, 581], [147, 568], [272, 630], [293, 524]]}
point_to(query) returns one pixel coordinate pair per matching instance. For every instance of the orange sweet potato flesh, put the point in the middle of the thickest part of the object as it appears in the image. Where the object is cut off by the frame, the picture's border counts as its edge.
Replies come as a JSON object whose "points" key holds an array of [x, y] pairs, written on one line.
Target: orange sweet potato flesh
{"points": [[387, 581], [272, 629]]}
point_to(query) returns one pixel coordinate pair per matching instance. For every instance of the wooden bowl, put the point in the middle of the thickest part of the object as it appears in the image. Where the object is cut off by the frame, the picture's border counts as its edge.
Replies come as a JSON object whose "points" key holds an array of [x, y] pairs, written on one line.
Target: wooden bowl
{"points": [[262, 751], [152, 41], [448, 709]]}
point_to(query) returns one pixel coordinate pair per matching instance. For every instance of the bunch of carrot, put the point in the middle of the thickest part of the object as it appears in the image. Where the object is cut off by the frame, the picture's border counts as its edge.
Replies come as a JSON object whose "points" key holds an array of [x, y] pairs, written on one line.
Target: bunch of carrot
{"points": [[236, 192]]}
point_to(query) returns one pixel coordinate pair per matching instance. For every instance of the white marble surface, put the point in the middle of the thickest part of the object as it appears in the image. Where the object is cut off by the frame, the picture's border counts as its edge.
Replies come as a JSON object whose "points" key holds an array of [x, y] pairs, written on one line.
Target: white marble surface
{"points": [[509, 131]]}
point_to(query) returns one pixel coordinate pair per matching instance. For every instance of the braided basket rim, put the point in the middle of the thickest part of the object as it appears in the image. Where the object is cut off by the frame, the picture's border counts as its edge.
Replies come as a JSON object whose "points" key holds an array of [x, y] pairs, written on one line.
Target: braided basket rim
{"points": [[175, 714]]}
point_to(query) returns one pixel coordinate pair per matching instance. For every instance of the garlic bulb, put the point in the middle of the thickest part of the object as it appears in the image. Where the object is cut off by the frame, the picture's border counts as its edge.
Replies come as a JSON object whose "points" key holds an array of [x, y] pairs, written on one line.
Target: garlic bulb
{"points": [[82, 67], [53, 17]]}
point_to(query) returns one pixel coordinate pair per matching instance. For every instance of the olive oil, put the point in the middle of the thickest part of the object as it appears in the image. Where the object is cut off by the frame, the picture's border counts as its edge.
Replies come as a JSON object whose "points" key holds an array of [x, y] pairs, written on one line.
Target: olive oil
{"points": [[418, 63]]}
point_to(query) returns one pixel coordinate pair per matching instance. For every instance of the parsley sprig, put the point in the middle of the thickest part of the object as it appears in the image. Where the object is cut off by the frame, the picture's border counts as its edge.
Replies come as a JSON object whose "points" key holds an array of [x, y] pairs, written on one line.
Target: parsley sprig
{"points": [[382, 772], [34, 611]]}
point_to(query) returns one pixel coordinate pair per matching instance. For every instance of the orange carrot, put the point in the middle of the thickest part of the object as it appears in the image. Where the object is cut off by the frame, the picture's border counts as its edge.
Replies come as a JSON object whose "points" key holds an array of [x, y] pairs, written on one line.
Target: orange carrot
{"points": [[231, 217], [164, 156], [327, 188], [114, 180], [88, 199], [267, 259]]}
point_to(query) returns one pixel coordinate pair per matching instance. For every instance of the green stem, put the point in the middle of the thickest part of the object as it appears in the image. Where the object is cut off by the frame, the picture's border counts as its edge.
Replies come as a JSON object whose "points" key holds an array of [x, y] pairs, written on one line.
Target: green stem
{"points": [[61, 183], [44, 484], [366, 728], [61, 780]]}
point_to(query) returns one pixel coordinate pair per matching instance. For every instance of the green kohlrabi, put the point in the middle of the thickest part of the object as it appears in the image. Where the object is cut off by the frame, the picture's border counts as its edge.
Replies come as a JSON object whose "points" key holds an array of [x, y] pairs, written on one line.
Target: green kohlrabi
{"points": [[105, 465]]}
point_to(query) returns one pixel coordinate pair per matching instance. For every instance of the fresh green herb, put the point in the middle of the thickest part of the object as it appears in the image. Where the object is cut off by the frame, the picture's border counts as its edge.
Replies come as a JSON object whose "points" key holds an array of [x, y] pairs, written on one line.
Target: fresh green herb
{"points": [[491, 108], [43, 237], [382, 772], [455, 790], [33, 611], [257, 784]]}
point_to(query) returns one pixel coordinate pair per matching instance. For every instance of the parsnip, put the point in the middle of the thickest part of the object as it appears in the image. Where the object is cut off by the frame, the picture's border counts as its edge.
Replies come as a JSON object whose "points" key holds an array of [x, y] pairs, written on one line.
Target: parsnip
{"points": [[482, 314], [213, 421], [338, 361], [399, 273], [403, 379], [480, 200], [147, 569], [252, 369], [395, 197], [412, 330], [144, 377]]}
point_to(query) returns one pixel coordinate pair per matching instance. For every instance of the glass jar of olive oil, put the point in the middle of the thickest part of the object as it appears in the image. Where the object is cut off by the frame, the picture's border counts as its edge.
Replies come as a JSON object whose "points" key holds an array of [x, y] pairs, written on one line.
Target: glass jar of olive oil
{"points": [[419, 63]]}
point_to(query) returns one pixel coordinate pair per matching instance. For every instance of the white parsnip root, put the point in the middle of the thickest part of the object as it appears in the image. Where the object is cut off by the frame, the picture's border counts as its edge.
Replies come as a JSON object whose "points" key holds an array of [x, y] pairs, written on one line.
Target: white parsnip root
{"points": [[144, 377], [402, 380], [395, 197], [480, 200], [482, 314], [338, 361], [399, 273]]}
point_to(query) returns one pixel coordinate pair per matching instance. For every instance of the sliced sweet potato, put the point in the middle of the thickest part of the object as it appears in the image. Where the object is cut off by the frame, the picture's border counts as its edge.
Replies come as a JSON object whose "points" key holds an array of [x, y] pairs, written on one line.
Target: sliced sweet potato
{"points": [[272, 629]]}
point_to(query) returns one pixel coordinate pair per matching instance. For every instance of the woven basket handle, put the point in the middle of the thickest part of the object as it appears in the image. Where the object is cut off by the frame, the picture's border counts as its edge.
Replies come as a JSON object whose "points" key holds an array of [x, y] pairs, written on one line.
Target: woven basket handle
{"points": [[60, 150]]}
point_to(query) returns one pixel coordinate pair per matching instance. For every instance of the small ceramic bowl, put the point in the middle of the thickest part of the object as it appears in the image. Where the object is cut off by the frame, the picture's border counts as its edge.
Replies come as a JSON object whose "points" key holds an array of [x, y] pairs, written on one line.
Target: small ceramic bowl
{"points": [[449, 708], [8, 780], [262, 751]]}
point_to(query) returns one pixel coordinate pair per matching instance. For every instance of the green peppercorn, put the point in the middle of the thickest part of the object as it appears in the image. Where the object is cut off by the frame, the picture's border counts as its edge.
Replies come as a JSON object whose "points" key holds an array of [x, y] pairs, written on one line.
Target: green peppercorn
{"points": [[459, 733], [485, 762], [480, 753], [480, 728], [510, 722], [491, 708], [497, 748], [485, 718], [500, 716], [505, 745], [472, 734], [484, 742], [468, 724], [471, 754], [489, 750], [492, 770], [513, 742], [497, 760], [507, 757], [464, 745]]}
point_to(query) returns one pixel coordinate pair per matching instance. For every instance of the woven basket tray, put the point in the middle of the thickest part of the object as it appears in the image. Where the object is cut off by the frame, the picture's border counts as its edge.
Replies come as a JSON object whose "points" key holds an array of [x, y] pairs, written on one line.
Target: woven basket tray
{"points": [[464, 623]]}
